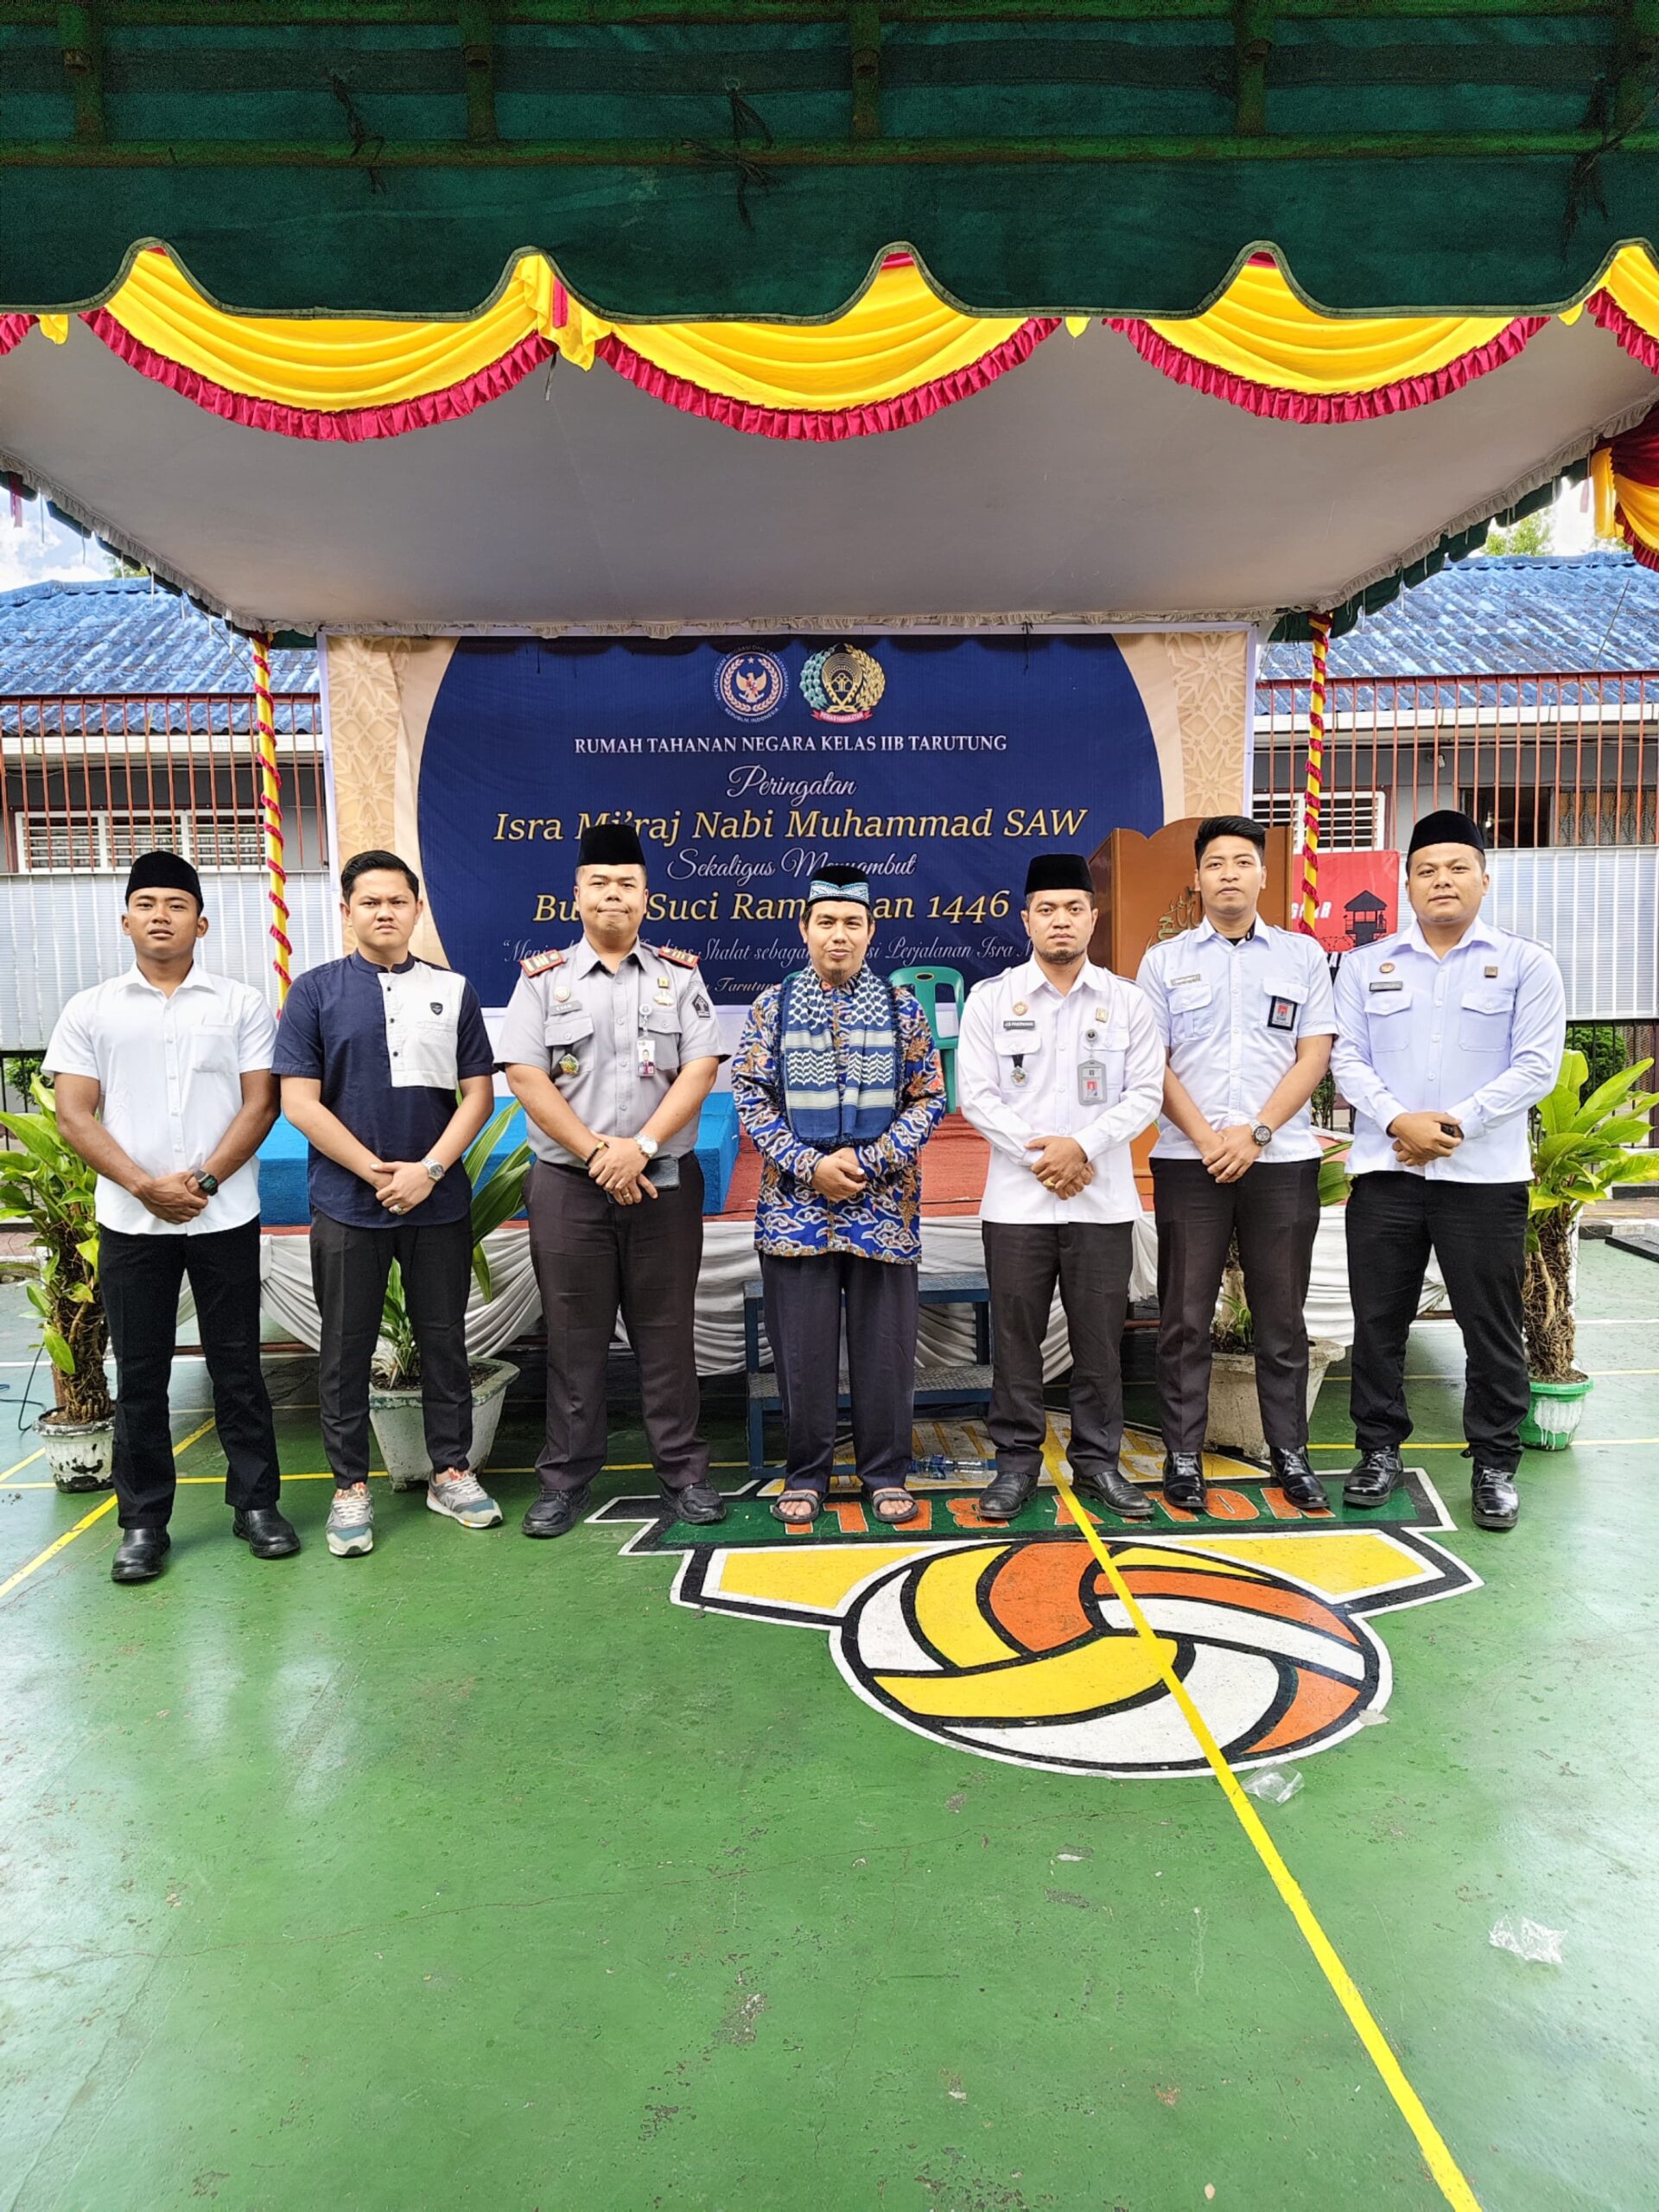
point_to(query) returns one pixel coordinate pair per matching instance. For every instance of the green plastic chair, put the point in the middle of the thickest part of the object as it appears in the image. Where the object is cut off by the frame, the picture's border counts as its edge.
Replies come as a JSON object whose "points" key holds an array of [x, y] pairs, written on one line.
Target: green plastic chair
{"points": [[926, 982]]}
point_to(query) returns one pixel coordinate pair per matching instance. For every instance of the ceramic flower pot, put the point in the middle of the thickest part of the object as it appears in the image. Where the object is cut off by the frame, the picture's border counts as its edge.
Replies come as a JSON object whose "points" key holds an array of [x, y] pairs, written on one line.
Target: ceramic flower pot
{"points": [[79, 1452], [1235, 1416], [399, 1428]]}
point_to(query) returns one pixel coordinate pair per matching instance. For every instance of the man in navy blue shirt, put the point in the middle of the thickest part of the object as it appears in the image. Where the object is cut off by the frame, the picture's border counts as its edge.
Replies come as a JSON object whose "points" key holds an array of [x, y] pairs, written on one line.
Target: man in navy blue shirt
{"points": [[371, 1051]]}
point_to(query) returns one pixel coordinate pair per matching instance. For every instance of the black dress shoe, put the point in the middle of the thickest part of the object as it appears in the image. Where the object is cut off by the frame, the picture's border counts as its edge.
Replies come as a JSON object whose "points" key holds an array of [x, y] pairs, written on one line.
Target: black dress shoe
{"points": [[1006, 1493], [140, 1555], [1107, 1486], [1496, 1501], [1377, 1477], [556, 1512], [1294, 1472], [1183, 1482], [265, 1532], [698, 1503]]}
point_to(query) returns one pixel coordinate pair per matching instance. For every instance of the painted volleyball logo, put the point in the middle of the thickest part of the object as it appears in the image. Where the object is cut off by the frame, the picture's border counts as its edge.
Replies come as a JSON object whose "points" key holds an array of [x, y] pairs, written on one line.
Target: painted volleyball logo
{"points": [[843, 684], [751, 685], [1023, 1652]]}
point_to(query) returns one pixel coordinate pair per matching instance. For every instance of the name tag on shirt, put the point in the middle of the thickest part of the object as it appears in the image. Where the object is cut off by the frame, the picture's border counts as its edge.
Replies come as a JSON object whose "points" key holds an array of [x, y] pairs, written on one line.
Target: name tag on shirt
{"points": [[1194, 978], [1019, 1025], [1396, 986], [1281, 1014]]}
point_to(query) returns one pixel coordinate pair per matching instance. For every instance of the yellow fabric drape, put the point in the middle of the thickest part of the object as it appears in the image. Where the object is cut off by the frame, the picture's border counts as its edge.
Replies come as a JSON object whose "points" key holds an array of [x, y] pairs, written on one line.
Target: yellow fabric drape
{"points": [[1261, 332], [898, 335], [1633, 282]]}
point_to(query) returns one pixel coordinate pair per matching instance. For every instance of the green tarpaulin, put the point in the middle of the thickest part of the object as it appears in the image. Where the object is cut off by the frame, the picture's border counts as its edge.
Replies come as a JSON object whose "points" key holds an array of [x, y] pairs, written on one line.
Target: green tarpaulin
{"points": [[752, 159]]}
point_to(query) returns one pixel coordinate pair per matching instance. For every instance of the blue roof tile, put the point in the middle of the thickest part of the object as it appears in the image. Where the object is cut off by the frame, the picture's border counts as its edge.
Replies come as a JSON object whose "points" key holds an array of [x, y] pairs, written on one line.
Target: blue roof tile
{"points": [[117, 634]]}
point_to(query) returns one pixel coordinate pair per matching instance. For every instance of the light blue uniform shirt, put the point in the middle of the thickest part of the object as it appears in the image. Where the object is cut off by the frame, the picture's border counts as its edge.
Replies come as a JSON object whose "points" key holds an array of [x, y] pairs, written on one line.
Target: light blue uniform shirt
{"points": [[1231, 1016], [1477, 1035]]}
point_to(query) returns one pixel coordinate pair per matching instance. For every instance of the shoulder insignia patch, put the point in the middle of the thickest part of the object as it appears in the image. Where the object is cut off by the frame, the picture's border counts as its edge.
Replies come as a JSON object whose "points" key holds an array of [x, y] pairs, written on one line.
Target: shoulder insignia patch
{"points": [[539, 962], [672, 953]]}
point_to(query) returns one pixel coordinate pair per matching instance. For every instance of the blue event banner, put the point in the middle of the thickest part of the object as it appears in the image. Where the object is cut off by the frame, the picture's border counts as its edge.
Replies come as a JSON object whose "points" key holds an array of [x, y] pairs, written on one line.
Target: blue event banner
{"points": [[939, 765]]}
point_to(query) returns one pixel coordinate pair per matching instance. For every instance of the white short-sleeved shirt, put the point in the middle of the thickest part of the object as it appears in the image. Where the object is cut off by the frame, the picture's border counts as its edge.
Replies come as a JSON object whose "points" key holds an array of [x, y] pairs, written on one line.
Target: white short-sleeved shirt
{"points": [[1089, 1065], [169, 1071], [1231, 1015], [1477, 1034]]}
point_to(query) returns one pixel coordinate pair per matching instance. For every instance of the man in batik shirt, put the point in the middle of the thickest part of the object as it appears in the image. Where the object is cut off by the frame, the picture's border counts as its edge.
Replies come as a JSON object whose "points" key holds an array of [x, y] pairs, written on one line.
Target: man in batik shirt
{"points": [[837, 1082]]}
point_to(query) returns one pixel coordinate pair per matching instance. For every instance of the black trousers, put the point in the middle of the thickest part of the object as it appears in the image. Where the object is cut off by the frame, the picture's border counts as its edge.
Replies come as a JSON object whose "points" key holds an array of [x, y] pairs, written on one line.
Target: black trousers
{"points": [[349, 1270], [140, 1278], [1091, 1261], [594, 1259], [804, 1302], [1274, 1211], [1477, 1232]]}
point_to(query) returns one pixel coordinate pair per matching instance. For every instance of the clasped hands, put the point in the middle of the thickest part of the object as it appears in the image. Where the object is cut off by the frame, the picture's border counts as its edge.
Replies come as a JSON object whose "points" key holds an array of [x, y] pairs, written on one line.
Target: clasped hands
{"points": [[618, 1168], [1421, 1138], [1061, 1166], [171, 1197], [1228, 1152]]}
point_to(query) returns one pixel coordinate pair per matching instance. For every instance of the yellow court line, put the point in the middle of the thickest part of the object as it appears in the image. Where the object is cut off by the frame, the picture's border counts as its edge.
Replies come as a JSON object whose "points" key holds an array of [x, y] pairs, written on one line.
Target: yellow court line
{"points": [[1441, 2164], [87, 1519]]}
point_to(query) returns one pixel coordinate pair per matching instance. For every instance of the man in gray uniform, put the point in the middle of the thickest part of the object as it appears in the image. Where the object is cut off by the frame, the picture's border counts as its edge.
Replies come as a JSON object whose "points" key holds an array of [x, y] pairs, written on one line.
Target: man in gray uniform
{"points": [[611, 1046]]}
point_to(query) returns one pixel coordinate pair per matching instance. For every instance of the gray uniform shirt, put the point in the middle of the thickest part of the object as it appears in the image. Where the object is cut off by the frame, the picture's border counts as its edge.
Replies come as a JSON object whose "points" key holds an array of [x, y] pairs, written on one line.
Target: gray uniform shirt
{"points": [[626, 1036]]}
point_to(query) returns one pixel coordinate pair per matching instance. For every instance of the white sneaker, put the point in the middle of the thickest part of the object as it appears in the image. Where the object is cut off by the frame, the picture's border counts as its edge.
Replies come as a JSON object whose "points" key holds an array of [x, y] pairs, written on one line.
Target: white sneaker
{"points": [[458, 1494], [350, 1521]]}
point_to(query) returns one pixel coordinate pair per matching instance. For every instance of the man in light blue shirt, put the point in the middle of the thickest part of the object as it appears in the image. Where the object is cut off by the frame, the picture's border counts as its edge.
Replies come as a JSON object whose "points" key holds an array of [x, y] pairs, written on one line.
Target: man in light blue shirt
{"points": [[1447, 1033], [1245, 1014]]}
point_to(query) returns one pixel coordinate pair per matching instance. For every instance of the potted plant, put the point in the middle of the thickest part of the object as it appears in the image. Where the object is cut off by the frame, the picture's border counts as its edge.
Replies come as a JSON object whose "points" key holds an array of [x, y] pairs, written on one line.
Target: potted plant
{"points": [[1581, 1148], [51, 1188], [1235, 1412], [395, 1400]]}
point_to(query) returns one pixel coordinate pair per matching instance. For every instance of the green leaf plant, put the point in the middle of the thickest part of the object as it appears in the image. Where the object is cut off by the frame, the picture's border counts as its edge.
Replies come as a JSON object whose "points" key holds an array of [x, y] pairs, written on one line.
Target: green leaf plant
{"points": [[496, 1198], [51, 1190], [1583, 1148]]}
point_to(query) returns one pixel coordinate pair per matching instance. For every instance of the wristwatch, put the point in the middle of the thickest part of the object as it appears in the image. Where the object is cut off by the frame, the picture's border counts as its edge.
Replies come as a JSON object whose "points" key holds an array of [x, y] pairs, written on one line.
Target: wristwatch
{"points": [[435, 1169], [208, 1184], [649, 1146], [1263, 1134]]}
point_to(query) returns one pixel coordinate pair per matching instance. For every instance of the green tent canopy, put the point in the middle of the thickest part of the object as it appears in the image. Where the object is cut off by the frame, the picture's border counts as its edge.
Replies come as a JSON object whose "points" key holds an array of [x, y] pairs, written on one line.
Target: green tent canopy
{"points": [[751, 157]]}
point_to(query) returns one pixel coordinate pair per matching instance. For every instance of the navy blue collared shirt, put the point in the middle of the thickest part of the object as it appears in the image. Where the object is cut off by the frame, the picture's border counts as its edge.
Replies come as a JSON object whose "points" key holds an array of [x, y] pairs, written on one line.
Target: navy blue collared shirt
{"points": [[389, 1046]]}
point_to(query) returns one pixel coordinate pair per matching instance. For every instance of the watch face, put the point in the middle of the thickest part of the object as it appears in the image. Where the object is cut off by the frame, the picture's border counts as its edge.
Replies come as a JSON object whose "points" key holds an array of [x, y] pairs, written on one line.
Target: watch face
{"points": [[209, 1184]]}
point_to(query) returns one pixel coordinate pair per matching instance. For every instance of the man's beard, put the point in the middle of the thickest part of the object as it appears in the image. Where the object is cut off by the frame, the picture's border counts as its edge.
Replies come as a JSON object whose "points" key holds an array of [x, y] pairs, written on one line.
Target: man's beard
{"points": [[1067, 959]]}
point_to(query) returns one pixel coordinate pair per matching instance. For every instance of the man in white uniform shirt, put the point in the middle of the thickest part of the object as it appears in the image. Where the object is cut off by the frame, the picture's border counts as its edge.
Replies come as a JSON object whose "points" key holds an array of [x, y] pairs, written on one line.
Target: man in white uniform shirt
{"points": [[1059, 1066], [1447, 1033], [164, 1085], [1245, 1012]]}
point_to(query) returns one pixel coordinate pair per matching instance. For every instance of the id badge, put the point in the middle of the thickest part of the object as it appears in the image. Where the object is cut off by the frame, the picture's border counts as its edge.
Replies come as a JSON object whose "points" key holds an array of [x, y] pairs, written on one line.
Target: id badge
{"points": [[1282, 1013], [1092, 1083]]}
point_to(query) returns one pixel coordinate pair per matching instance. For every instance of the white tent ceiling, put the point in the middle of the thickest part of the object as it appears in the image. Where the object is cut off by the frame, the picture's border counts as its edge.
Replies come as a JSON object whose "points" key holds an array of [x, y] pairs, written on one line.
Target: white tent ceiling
{"points": [[1082, 484]]}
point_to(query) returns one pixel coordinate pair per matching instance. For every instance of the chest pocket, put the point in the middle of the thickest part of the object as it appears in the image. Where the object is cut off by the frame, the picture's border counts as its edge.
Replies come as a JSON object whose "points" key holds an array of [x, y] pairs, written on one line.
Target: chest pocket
{"points": [[424, 1053], [1111, 1049], [566, 1032], [1019, 1061], [1484, 1017], [1387, 1032], [1191, 1012], [1282, 1010], [211, 1048], [662, 1028]]}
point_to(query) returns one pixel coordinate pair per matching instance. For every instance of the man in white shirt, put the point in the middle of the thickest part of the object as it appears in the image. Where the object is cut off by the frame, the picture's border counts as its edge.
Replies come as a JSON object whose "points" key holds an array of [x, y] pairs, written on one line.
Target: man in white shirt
{"points": [[1059, 1066], [163, 1085], [1245, 1012], [1448, 1033]]}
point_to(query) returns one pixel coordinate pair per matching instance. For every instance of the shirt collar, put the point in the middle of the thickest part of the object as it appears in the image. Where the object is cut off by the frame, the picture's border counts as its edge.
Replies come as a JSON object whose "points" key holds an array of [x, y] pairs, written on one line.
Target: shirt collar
{"points": [[374, 967], [1030, 978], [1207, 928], [583, 961], [1480, 931], [195, 979]]}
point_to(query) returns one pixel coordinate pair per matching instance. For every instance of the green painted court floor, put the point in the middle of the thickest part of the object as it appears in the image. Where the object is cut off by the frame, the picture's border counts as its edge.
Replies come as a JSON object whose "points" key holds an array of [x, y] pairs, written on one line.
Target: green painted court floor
{"points": [[479, 1874]]}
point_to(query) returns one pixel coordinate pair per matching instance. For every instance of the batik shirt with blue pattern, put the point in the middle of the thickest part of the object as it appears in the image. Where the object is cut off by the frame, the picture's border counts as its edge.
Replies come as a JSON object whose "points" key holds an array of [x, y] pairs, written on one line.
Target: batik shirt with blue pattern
{"points": [[792, 1220]]}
